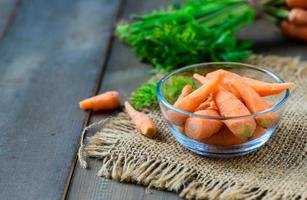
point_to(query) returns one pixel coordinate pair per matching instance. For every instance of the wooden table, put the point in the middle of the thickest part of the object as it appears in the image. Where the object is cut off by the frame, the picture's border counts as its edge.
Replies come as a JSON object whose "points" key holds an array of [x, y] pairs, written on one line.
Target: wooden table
{"points": [[53, 54]]}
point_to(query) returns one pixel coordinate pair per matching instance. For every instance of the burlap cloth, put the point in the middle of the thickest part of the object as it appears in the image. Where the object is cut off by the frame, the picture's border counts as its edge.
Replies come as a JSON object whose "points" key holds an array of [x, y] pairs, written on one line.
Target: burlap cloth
{"points": [[277, 171]]}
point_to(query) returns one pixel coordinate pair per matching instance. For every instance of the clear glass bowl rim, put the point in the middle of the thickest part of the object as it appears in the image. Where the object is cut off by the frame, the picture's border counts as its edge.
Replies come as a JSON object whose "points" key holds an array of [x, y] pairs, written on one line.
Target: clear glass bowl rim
{"points": [[275, 107]]}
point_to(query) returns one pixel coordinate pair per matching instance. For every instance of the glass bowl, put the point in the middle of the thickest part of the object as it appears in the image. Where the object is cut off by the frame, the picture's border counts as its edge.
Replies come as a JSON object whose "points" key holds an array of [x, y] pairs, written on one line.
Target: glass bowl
{"points": [[217, 146]]}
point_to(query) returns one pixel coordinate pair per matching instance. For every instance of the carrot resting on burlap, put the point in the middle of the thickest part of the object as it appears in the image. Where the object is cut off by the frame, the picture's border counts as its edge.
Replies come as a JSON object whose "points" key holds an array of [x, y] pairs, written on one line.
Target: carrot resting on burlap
{"points": [[142, 122]]}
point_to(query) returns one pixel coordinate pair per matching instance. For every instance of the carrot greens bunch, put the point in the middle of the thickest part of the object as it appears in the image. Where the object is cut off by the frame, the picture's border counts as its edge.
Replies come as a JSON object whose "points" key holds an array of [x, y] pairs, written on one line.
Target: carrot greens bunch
{"points": [[197, 31]]}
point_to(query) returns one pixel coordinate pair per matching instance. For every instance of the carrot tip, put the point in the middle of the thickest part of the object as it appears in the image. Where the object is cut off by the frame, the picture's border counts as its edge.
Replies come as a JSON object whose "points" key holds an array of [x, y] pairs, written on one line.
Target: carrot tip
{"points": [[150, 132], [85, 104]]}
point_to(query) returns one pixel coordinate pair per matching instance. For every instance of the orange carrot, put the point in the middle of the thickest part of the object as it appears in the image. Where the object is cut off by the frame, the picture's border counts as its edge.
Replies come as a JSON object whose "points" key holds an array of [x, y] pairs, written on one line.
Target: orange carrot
{"points": [[213, 105], [298, 16], [255, 104], [267, 89], [224, 137], [190, 102], [295, 31], [142, 122], [225, 83], [230, 106], [181, 129], [105, 101], [186, 90], [206, 104], [296, 3], [258, 132], [262, 88], [200, 78], [202, 128]]}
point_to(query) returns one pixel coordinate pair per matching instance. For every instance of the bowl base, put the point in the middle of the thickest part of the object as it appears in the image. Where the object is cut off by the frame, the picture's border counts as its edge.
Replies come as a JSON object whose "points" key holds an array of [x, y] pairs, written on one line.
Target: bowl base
{"points": [[219, 151]]}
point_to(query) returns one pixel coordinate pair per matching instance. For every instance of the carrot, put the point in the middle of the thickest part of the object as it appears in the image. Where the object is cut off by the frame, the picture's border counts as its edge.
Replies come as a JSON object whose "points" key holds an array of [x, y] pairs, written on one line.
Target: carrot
{"points": [[262, 88], [202, 128], [213, 105], [224, 137], [142, 122], [296, 3], [225, 83], [258, 132], [181, 129], [105, 101], [206, 104], [299, 32], [190, 102], [200, 78], [298, 16], [255, 104], [186, 90], [230, 106]]}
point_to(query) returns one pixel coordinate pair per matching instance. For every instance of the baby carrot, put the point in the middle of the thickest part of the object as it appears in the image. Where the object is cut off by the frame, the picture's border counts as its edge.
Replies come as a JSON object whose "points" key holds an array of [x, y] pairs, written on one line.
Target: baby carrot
{"points": [[262, 88], [105, 101], [225, 83], [142, 122], [230, 106], [267, 89], [202, 128], [294, 31], [255, 104], [224, 137], [298, 16], [296, 3], [186, 90], [190, 102], [203, 106], [258, 132]]}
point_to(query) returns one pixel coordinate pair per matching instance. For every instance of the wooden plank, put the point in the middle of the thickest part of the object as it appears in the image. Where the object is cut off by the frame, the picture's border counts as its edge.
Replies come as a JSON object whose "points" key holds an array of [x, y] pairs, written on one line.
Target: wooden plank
{"points": [[48, 61], [124, 73], [8, 9]]}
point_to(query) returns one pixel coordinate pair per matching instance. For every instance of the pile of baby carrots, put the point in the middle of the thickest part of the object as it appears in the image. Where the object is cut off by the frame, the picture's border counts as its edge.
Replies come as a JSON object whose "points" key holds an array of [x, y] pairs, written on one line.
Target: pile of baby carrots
{"points": [[223, 93]]}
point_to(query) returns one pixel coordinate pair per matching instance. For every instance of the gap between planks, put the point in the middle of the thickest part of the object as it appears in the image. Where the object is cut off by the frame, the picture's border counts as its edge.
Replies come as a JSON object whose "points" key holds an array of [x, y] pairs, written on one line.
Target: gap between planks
{"points": [[88, 114], [10, 19]]}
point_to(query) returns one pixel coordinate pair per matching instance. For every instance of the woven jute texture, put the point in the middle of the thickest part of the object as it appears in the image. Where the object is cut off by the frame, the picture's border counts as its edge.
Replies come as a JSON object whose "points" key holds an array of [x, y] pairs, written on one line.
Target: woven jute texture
{"points": [[276, 171]]}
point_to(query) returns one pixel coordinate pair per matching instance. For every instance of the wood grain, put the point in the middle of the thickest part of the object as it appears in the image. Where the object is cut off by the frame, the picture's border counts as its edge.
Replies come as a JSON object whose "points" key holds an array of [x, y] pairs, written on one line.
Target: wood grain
{"points": [[124, 73], [8, 10], [49, 60]]}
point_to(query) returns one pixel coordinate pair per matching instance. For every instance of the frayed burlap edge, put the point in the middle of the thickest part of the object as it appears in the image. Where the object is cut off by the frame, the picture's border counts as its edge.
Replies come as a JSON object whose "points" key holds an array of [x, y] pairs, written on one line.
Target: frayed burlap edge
{"points": [[165, 174]]}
